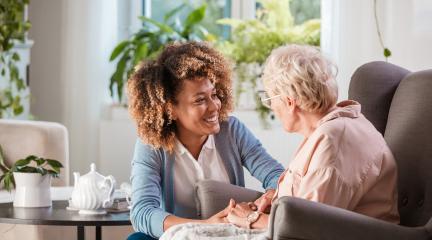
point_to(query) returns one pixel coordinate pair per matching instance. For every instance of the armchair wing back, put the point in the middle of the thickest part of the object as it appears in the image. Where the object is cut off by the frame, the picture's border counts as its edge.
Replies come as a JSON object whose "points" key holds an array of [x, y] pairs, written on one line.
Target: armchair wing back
{"points": [[20, 138], [373, 85], [409, 136]]}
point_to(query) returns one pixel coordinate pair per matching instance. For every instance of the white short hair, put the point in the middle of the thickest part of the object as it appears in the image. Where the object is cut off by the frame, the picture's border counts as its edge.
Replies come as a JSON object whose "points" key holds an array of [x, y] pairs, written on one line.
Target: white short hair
{"points": [[303, 73]]}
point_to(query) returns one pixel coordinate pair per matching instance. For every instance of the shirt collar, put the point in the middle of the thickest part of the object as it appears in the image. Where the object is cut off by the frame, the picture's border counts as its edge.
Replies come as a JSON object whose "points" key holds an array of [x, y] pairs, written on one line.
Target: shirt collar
{"points": [[181, 149], [347, 108]]}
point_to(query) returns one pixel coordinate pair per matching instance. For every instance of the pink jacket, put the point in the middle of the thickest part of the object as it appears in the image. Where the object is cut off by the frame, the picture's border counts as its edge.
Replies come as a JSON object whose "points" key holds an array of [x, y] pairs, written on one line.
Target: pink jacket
{"points": [[345, 163]]}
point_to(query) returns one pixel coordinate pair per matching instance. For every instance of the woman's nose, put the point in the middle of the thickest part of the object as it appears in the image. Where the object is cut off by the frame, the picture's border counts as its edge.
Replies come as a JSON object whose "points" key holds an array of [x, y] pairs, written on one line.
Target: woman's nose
{"points": [[214, 104]]}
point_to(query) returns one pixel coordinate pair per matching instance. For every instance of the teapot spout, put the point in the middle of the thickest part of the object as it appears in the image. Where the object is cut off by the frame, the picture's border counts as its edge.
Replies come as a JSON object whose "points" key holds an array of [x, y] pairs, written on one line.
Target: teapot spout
{"points": [[76, 177]]}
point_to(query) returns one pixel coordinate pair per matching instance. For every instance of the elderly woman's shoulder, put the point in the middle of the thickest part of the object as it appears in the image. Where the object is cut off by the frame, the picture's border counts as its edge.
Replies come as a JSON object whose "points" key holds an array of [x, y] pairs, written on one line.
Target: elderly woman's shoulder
{"points": [[334, 129]]}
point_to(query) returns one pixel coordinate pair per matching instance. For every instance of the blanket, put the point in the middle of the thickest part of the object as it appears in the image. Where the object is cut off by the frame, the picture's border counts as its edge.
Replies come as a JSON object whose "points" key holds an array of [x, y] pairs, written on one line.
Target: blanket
{"points": [[198, 231]]}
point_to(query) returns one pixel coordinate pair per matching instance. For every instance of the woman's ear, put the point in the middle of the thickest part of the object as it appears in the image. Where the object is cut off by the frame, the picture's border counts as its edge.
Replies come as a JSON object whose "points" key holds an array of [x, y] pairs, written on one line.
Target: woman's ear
{"points": [[289, 103]]}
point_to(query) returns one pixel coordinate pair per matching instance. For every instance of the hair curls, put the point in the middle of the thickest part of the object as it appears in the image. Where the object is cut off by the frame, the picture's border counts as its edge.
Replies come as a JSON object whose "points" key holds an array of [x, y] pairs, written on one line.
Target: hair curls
{"points": [[154, 85]]}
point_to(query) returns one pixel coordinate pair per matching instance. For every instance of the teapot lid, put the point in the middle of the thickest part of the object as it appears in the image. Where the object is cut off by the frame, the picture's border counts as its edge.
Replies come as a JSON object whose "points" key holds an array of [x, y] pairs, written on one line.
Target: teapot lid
{"points": [[93, 174]]}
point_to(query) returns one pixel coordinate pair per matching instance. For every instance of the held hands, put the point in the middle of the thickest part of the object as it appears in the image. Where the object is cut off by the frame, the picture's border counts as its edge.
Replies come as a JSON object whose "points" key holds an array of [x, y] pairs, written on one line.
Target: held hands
{"points": [[263, 204], [237, 213], [220, 217]]}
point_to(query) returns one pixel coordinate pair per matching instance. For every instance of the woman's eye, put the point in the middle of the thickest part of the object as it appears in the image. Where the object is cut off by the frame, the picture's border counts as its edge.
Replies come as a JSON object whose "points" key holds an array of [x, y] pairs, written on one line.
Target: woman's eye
{"points": [[200, 100]]}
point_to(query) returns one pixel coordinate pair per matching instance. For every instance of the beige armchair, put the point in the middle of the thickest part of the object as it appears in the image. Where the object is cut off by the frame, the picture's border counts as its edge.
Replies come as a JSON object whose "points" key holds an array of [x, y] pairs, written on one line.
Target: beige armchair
{"points": [[21, 138]]}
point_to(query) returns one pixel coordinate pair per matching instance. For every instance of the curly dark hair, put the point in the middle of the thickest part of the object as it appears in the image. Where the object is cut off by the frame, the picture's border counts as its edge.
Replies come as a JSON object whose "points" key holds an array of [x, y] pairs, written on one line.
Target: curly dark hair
{"points": [[154, 85]]}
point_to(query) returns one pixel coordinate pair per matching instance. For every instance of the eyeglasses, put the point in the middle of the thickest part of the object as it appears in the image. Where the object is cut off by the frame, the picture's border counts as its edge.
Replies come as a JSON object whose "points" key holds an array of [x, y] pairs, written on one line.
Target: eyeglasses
{"points": [[266, 99]]}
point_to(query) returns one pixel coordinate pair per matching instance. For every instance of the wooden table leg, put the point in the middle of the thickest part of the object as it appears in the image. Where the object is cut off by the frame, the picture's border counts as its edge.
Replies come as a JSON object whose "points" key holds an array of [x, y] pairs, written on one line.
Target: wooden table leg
{"points": [[81, 233], [98, 233]]}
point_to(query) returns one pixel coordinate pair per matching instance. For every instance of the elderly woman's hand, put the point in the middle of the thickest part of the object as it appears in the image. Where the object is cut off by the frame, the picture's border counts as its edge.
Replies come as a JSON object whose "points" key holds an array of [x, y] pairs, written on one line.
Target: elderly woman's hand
{"points": [[238, 215], [220, 217], [263, 204]]}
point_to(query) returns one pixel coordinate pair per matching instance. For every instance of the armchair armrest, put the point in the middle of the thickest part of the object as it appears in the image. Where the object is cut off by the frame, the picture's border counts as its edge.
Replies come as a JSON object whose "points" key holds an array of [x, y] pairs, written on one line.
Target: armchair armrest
{"points": [[213, 196], [295, 218]]}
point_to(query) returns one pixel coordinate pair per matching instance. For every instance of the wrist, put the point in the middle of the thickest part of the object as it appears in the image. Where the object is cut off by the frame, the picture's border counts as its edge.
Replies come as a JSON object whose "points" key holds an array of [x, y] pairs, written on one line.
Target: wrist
{"points": [[252, 218]]}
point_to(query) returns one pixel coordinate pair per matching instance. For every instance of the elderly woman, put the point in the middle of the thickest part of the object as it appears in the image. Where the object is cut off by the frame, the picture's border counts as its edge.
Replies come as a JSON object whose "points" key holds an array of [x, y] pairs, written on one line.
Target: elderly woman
{"points": [[180, 103], [343, 160]]}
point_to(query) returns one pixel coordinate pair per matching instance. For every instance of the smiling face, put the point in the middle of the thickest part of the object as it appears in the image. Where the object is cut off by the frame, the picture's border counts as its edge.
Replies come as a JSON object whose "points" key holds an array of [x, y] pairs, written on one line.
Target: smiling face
{"points": [[197, 109]]}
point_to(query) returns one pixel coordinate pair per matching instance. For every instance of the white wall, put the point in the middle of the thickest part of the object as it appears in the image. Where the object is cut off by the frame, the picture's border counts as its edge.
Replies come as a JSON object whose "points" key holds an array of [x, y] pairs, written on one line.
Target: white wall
{"points": [[350, 38], [70, 70]]}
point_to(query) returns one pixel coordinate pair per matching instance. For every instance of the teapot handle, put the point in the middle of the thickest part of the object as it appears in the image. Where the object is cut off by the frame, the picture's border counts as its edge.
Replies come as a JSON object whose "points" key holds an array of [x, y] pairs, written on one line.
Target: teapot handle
{"points": [[108, 202]]}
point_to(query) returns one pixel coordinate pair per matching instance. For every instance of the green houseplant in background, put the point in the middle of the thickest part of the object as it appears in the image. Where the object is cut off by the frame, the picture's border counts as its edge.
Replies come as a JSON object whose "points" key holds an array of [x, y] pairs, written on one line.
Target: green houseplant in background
{"points": [[252, 41], [148, 42], [13, 28]]}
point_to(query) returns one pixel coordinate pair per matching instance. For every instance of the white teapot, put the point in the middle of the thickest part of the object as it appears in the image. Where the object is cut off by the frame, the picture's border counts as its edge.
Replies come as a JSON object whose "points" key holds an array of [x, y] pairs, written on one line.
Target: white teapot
{"points": [[92, 192]]}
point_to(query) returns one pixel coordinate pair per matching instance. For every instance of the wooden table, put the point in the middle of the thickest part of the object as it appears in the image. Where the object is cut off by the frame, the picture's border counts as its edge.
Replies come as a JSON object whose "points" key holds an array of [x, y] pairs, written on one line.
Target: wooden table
{"points": [[58, 215]]}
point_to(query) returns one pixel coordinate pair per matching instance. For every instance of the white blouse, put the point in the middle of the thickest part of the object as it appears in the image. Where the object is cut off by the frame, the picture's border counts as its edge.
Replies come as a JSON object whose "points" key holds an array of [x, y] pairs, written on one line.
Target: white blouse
{"points": [[188, 171]]}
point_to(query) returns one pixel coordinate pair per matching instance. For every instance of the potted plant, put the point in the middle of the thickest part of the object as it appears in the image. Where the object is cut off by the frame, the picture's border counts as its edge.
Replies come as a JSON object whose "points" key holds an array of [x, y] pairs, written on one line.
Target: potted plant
{"points": [[13, 30], [30, 176], [252, 41], [149, 41]]}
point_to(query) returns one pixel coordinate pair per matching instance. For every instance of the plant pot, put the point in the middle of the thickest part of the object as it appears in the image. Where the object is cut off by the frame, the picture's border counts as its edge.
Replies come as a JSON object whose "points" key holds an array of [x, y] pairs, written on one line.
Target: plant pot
{"points": [[32, 190]]}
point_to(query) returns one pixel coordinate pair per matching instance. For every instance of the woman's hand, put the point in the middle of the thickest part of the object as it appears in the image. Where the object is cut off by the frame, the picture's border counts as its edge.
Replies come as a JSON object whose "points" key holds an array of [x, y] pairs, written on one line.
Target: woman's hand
{"points": [[263, 204], [220, 217], [239, 213]]}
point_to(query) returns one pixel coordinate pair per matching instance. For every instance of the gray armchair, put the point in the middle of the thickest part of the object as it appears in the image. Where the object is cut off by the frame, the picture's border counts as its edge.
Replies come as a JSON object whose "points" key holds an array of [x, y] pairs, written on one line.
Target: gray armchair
{"points": [[397, 103]]}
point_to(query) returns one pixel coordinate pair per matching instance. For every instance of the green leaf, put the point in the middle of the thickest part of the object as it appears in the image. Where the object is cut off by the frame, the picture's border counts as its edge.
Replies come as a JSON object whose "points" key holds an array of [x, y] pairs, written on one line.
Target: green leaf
{"points": [[140, 53], [54, 163], [193, 18], [8, 181], [22, 162], [31, 157], [161, 26], [15, 57], [56, 169], [3, 165], [387, 52], [17, 110], [40, 161], [171, 13], [119, 49], [53, 173], [27, 169], [42, 171]]}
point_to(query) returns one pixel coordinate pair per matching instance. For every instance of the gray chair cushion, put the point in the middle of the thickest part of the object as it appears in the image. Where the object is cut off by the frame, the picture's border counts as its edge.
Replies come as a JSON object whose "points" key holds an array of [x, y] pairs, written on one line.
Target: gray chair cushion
{"points": [[213, 196], [409, 136], [373, 85]]}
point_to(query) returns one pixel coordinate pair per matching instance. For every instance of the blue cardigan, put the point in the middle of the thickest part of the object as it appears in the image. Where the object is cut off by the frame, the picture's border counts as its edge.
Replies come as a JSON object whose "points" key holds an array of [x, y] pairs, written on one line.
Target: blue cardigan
{"points": [[152, 173]]}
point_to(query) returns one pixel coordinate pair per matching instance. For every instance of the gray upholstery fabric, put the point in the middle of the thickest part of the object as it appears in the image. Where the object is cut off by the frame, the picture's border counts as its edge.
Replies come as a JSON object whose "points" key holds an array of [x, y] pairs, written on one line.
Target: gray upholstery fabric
{"points": [[295, 218], [213, 196], [373, 85], [409, 135]]}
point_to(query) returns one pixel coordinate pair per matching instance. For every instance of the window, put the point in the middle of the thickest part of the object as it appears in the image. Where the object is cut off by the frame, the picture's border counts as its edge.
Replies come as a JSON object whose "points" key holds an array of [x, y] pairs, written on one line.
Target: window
{"points": [[216, 9]]}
